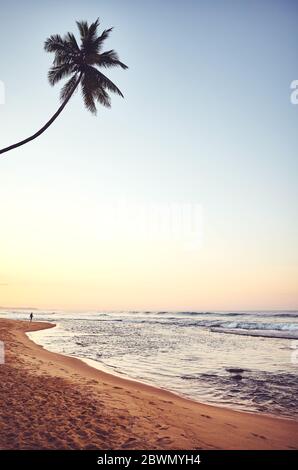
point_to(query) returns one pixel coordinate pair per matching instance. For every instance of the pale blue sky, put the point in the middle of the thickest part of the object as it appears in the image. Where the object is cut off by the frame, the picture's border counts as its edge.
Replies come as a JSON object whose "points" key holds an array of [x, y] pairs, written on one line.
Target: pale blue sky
{"points": [[206, 119]]}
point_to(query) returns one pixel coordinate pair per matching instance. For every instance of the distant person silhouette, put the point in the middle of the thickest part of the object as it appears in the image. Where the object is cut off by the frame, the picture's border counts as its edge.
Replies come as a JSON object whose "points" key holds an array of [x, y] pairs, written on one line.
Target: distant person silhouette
{"points": [[31, 317]]}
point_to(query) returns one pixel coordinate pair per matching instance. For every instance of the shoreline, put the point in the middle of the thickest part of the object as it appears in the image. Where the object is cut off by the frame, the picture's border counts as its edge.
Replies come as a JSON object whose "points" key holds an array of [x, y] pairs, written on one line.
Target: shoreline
{"points": [[60, 402], [124, 377]]}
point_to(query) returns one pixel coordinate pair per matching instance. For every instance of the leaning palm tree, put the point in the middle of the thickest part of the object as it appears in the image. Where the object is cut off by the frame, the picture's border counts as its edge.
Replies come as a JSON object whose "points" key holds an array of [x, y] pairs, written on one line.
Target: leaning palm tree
{"points": [[81, 64]]}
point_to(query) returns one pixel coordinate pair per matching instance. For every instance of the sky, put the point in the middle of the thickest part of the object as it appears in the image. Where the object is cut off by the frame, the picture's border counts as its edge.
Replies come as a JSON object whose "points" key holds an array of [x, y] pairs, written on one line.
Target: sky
{"points": [[206, 122]]}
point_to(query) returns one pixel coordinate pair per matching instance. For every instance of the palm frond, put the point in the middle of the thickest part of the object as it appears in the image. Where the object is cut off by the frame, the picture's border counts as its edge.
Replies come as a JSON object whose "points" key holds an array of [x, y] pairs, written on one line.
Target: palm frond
{"points": [[94, 89], [55, 43], [68, 87], [88, 93], [83, 28], [72, 42], [87, 33], [103, 81], [103, 98], [89, 38], [57, 72], [100, 40], [93, 30], [108, 59], [65, 49], [63, 57]]}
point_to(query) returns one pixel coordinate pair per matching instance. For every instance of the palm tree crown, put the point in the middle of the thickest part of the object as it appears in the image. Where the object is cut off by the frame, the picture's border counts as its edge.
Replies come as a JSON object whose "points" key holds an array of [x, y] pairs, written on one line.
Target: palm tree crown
{"points": [[82, 62]]}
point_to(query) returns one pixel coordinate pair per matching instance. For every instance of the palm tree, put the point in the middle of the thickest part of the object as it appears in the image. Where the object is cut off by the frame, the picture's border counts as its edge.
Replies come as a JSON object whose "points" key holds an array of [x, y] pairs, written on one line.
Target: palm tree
{"points": [[81, 64]]}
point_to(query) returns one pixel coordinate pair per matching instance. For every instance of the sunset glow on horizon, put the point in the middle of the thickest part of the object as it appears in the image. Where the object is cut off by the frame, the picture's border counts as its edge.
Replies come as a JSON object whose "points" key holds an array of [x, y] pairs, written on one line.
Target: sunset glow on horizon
{"points": [[221, 133]]}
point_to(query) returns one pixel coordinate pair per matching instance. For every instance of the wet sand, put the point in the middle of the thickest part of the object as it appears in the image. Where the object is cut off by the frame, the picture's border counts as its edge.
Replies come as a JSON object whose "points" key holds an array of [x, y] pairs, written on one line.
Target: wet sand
{"points": [[50, 401]]}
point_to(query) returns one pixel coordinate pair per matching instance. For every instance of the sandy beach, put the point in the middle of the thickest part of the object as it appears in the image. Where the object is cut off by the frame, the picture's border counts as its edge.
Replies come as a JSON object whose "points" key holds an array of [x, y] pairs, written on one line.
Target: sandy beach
{"points": [[50, 401]]}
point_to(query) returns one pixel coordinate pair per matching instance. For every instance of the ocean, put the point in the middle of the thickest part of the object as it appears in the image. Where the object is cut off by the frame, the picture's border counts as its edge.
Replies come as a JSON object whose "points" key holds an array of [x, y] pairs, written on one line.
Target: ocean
{"points": [[242, 360]]}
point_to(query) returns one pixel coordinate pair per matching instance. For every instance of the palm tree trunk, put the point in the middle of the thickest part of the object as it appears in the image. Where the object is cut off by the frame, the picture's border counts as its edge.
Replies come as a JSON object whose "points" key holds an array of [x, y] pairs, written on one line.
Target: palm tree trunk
{"points": [[44, 128]]}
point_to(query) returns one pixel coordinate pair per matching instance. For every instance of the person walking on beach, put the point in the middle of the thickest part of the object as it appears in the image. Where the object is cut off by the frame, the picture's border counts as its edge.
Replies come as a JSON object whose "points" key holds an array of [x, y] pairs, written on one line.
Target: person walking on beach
{"points": [[31, 317]]}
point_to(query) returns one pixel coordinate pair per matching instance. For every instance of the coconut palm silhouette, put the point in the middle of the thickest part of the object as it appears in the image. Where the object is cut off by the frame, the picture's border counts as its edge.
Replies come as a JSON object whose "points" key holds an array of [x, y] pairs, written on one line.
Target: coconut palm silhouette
{"points": [[81, 63]]}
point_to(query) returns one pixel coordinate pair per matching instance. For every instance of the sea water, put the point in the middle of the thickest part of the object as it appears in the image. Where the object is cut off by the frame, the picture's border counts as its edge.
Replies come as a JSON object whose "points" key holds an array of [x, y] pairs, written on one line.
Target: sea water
{"points": [[243, 360]]}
